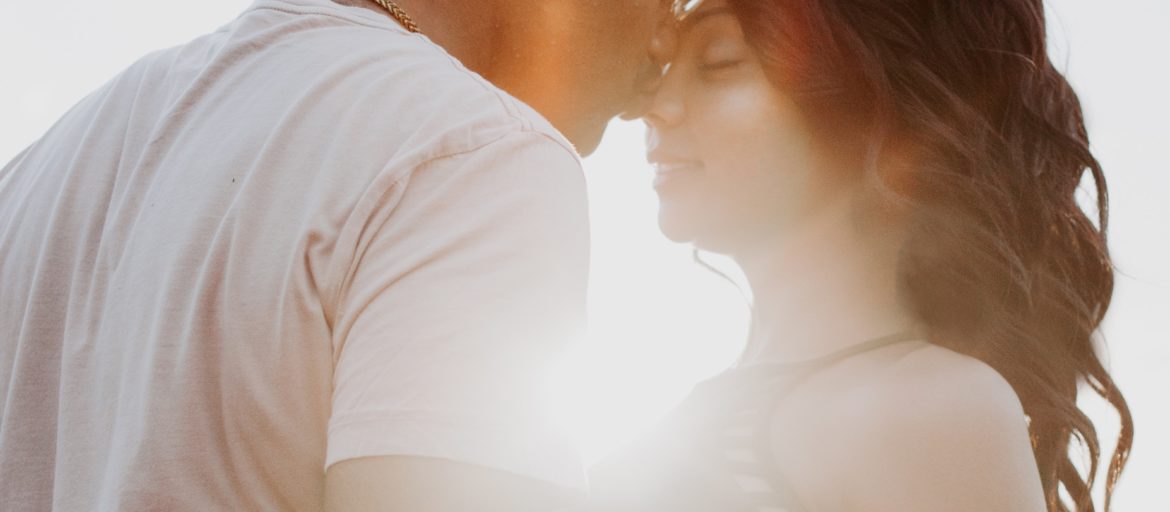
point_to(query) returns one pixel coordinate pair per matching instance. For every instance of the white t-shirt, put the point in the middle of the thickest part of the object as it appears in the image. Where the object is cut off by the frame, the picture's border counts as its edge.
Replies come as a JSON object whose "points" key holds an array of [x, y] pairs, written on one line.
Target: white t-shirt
{"points": [[306, 237]]}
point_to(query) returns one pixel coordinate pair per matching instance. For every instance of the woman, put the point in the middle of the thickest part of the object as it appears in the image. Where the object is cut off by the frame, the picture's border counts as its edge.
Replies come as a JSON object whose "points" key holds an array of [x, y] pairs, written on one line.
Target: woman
{"points": [[896, 179]]}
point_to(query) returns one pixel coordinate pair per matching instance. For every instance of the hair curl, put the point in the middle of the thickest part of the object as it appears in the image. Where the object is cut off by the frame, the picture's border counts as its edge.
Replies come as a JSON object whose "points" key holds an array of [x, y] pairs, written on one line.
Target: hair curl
{"points": [[961, 121]]}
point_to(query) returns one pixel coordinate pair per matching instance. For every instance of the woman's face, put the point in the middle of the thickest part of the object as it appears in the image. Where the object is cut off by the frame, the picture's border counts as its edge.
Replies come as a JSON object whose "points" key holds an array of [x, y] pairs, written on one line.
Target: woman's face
{"points": [[734, 160]]}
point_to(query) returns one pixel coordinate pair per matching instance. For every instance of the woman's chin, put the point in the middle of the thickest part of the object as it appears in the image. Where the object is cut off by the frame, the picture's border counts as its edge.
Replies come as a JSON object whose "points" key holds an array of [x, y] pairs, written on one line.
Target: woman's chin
{"points": [[688, 224], [704, 236], [675, 228]]}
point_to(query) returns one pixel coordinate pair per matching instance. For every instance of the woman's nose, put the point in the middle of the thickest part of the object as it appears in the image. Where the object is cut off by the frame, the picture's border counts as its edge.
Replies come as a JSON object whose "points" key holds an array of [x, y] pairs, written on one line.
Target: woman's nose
{"points": [[666, 108], [663, 45]]}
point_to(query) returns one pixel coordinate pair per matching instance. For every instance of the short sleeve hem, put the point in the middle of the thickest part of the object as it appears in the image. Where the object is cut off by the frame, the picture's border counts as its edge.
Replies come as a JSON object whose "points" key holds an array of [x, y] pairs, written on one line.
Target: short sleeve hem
{"points": [[538, 455]]}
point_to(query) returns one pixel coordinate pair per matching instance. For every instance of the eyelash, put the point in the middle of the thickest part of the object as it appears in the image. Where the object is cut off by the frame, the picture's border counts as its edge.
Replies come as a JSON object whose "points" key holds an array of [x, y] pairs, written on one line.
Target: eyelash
{"points": [[719, 66]]}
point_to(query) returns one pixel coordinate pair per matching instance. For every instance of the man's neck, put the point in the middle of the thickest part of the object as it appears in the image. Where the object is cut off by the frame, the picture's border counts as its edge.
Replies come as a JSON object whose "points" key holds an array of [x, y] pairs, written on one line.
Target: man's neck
{"points": [[466, 30]]}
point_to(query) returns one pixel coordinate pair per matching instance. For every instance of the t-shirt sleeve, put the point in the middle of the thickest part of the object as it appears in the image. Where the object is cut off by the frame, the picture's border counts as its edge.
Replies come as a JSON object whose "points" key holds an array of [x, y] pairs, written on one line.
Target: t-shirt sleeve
{"points": [[469, 284]]}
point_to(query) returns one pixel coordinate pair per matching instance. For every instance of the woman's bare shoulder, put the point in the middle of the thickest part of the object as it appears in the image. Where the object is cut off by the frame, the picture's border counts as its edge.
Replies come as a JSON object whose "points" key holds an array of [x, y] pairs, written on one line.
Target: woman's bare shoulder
{"points": [[943, 383], [930, 429], [943, 430], [921, 384]]}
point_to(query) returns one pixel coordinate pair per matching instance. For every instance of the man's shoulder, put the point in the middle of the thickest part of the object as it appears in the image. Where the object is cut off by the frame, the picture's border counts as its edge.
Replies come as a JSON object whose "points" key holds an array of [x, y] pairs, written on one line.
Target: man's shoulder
{"points": [[368, 58], [464, 102]]}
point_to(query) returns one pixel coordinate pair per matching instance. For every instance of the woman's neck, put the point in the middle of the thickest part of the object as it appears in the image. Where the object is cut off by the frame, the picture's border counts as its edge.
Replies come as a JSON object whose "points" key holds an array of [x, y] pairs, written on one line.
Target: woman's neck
{"points": [[821, 287]]}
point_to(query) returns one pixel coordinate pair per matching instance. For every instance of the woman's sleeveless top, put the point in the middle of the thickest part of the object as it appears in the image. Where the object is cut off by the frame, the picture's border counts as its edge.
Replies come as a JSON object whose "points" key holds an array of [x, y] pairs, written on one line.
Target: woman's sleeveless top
{"points": [[713, 452]]}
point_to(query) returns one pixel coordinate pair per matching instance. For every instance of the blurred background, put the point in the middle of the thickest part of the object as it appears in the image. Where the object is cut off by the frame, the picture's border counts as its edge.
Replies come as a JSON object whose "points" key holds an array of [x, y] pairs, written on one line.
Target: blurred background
{"points": [[659, 322]]}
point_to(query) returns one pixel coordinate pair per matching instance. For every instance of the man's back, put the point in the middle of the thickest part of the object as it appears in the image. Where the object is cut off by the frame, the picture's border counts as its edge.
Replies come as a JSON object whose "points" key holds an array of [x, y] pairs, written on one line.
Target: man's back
{"points": [[288, 243]]}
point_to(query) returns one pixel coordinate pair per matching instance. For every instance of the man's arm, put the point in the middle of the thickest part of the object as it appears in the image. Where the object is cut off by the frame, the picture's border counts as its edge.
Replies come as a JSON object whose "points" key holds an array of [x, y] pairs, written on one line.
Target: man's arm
{"points": [[467, 288]]}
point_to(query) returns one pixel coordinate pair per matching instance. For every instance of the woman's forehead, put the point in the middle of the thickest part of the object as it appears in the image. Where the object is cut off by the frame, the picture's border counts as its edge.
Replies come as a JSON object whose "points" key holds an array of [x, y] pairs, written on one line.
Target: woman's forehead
{"points": [[706, 9]]}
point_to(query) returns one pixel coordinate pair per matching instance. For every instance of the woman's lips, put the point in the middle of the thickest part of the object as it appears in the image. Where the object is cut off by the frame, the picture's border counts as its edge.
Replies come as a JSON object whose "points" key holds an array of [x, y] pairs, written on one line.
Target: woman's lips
{"points": [[666, 172]]}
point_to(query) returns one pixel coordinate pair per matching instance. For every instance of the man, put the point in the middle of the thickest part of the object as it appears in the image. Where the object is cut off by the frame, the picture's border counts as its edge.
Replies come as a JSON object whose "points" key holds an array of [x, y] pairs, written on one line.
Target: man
{"points": [[310, 260]]}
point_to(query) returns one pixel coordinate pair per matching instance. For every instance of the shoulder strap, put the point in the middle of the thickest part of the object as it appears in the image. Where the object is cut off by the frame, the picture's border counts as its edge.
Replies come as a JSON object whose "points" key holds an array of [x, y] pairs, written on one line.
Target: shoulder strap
{"points": [[796, 371], [821, 361]]}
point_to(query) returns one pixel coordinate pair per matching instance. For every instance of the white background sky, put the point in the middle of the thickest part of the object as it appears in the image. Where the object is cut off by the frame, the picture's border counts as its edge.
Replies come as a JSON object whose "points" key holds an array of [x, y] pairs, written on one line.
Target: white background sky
{"points": [[659, 323]]}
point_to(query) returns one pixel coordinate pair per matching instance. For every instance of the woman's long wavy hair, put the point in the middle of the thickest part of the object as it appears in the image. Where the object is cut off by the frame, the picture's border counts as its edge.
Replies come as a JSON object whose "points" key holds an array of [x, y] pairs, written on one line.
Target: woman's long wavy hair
{"points": [[963, 125]]}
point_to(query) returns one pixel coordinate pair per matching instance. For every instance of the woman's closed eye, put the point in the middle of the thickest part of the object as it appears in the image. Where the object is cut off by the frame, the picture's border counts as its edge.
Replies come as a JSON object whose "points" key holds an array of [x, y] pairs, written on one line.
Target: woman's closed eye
{"points": [[721, 55], [720, 65]]}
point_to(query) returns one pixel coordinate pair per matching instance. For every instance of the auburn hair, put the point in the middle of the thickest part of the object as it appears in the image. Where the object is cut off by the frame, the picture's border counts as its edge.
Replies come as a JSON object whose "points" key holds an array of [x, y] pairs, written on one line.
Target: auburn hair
{"points": [[958, 118]]}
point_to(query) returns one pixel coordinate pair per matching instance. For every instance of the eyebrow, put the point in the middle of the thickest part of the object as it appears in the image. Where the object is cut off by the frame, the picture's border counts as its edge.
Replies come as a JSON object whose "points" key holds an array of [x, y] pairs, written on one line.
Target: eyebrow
{"points": [[693, 18]]}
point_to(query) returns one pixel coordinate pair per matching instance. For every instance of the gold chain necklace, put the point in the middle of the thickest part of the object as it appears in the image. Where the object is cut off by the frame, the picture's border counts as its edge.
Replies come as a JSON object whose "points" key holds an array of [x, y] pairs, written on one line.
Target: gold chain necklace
{"points": [[399, 15]]}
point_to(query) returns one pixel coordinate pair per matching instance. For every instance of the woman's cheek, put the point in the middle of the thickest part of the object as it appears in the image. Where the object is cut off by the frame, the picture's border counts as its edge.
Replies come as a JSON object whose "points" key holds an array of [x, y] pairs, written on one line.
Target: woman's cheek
{"points": [[746, 133], [758, 150], [730, 110]]}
